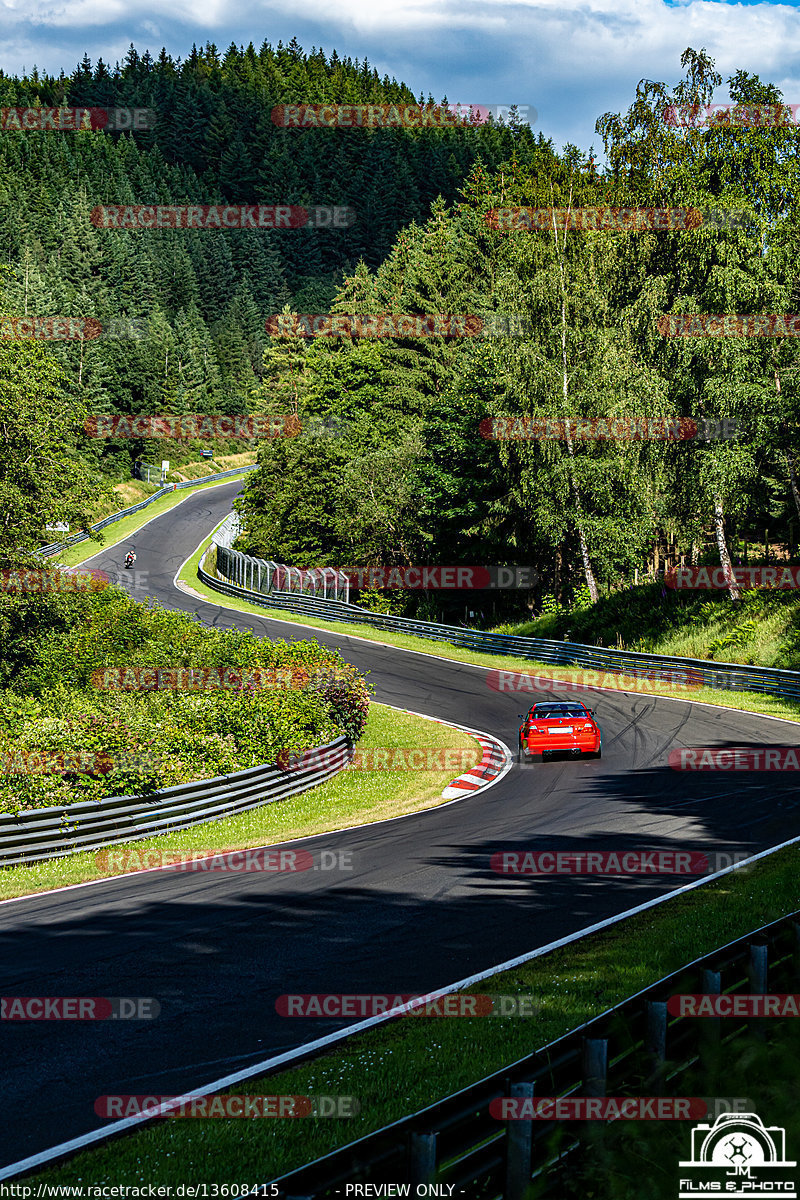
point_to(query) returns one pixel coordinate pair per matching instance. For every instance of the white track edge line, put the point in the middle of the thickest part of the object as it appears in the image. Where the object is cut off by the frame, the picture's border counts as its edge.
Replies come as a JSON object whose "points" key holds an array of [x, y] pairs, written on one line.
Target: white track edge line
{"points": [[97, 1135]]}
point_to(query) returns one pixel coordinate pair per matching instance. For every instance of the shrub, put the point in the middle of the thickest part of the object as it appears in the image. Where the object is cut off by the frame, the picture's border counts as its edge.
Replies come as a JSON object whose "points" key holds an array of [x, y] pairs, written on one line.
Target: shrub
{"points": [[135, 741]]}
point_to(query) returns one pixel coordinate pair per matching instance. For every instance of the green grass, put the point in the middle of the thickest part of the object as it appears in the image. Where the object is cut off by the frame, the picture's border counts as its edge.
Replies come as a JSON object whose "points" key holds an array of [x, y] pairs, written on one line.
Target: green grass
{"points": [[121, 530], [753, 702], [352, 797], [412, 1062], [401, 1067], [764, 629]]}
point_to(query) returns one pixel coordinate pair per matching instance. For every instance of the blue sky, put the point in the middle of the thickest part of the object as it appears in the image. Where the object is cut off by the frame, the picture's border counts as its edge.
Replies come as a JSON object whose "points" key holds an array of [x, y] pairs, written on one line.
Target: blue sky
{"points": [[571, 60]]}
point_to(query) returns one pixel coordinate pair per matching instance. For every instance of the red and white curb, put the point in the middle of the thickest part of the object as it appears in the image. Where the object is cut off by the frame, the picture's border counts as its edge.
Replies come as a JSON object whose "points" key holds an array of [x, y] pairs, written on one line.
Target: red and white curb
{"points": [[483, 773], [496, 762]]}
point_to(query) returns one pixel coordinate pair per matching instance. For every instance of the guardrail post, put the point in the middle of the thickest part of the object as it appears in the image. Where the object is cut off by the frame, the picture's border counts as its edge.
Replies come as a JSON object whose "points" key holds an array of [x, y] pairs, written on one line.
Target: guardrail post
{"points": [[422, 1158], [519, 1143], [709, 1027], [655, 1044], [758, 983], [758, 968], [595, 1066]]}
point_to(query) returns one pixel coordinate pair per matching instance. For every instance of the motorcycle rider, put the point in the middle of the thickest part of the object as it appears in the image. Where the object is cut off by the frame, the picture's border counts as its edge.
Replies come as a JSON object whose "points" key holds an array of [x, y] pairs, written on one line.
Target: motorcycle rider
{"points": [[130, 557]]}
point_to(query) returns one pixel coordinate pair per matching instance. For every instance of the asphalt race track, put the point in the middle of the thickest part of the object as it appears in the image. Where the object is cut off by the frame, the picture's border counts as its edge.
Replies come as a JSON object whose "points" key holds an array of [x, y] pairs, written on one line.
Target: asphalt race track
{"points": [[420, 909]]}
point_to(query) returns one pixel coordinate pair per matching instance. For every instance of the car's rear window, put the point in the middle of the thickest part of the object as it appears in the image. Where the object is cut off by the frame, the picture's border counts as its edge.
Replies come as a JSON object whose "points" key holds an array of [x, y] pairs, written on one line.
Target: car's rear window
{"points": [[558, 710]]}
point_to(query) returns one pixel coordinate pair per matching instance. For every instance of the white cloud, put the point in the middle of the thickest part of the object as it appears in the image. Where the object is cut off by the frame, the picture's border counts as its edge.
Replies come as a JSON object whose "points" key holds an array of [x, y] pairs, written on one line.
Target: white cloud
{"points": [[571, 59]]}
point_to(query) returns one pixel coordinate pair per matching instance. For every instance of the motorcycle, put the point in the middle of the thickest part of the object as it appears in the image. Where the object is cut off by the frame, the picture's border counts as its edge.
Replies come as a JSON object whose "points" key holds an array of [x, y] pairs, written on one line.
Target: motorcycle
{"points": [[130, 558]]}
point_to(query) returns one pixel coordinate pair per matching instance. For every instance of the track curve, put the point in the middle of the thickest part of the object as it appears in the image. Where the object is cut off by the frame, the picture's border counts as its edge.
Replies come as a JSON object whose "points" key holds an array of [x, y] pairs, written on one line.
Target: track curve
{"points": [[421, 907]]}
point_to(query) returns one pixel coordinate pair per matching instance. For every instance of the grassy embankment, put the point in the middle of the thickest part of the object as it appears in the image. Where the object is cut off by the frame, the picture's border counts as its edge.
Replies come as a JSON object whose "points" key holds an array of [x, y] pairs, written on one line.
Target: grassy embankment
{"points": [[764, 629]]}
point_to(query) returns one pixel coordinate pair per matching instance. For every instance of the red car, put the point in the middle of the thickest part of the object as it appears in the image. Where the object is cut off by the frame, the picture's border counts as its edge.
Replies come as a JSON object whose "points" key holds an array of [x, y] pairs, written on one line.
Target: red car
{"points": [[559, 725]]}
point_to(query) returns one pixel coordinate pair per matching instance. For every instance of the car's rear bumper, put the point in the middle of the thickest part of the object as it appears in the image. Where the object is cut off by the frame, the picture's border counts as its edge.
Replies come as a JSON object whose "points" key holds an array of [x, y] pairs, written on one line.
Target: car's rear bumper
{"points": [[585, 745]]}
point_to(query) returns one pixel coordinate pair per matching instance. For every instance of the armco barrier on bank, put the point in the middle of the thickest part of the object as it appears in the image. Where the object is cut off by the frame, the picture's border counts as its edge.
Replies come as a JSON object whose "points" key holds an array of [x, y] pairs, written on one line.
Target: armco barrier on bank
{"points": [[57, 547], [46, 833], [600, 1055], [728, 676]]}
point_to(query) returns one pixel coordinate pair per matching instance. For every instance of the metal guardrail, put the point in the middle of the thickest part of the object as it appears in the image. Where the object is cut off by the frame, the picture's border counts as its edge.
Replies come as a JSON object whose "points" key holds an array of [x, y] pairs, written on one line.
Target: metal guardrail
{"points": [[726, 676], [46, 833], [227, 532], [633, 1049], [57, 547], [270, 577]]}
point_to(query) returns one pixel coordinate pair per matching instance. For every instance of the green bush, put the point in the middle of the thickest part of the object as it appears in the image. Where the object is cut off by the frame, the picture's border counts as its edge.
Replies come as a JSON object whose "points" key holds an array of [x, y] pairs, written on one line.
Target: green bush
{"points": [[380, 602], [54, 649]]}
